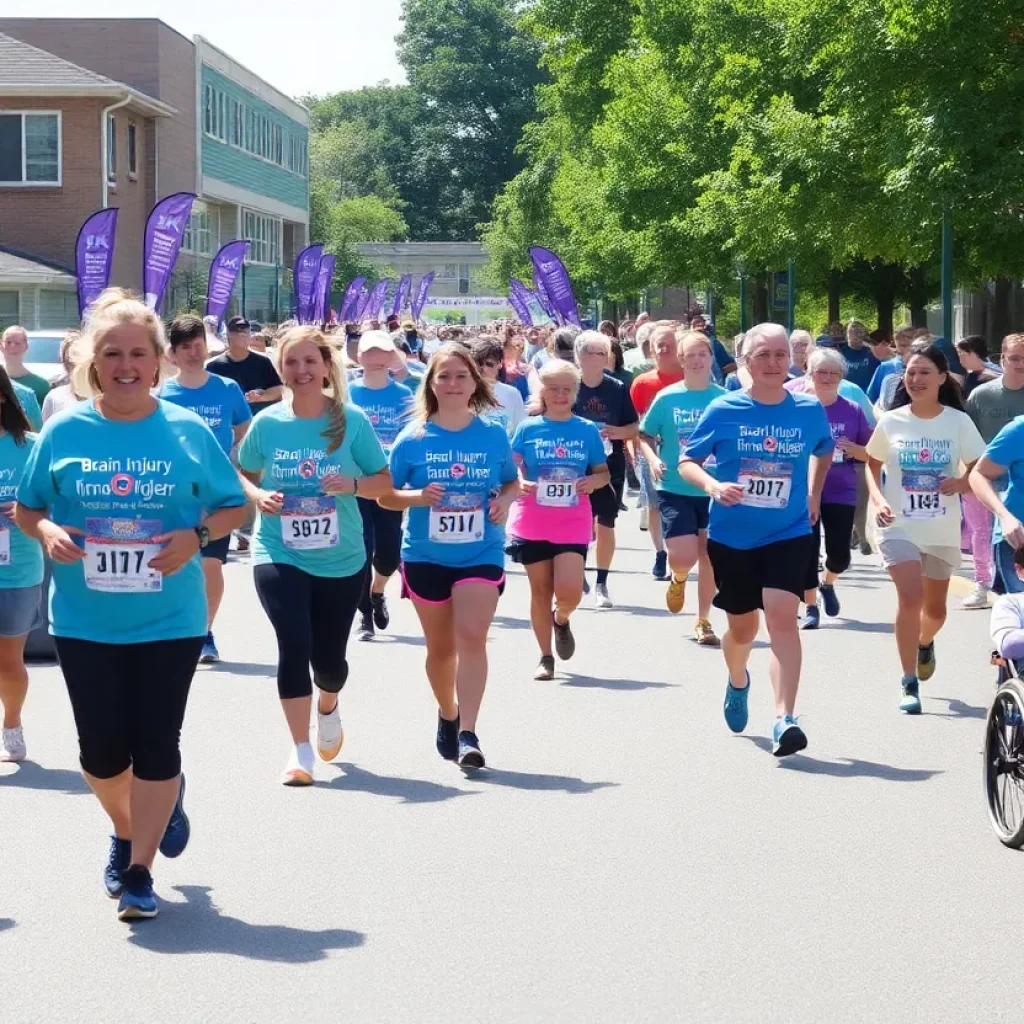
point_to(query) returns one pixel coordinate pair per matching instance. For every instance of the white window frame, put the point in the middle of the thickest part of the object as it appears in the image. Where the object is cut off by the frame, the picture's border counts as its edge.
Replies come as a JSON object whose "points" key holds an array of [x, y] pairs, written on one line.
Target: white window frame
{"points": [[264, 246], [24, 150], [215, 112], [449, 272], [203, 223], [132, 136], [111, 149], [17, 304]]}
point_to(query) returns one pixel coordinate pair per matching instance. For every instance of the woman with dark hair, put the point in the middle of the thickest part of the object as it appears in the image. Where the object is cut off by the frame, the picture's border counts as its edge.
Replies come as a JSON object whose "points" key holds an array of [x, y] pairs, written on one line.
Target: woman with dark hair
{"points": [[488, 354], [21, 572], [927, 446], [607, 327]]}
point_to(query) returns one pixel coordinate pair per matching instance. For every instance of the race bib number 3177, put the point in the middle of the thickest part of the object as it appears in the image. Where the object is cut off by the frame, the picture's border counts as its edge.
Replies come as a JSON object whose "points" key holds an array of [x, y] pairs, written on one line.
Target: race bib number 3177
{"points": [[118, 553]]}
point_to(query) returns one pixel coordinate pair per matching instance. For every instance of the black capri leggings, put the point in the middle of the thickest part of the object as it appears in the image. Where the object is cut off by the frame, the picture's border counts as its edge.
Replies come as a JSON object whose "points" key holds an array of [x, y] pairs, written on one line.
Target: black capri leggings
{"points": [[837, 522], [382, 534], [312, 617], [129, 702]]}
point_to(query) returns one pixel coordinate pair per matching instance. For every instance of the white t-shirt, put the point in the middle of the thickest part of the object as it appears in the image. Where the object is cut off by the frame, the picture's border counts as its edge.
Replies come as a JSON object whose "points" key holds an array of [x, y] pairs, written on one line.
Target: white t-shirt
{"points": [[512, 411], [918, 455], [57, 400]]}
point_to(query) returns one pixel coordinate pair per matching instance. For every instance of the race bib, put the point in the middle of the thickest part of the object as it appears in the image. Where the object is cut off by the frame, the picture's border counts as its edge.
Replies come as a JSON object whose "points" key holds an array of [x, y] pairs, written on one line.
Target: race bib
{"points": [[607, 443], [557, 493], [838, 454], [309, 522], [457, 525], [765, 484], [118, 553], [921, 496], [5, 540]]}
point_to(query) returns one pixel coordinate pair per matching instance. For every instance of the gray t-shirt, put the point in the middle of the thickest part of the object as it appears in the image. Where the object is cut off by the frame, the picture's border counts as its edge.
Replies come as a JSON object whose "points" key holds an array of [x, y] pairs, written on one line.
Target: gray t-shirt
{"points": [[992, 406]]}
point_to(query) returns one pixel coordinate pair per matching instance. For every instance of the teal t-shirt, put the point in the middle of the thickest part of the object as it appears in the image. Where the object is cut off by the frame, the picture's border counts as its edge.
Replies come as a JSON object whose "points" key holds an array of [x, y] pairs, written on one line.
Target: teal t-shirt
{"points": [[386, 408], [320, 534], [29, 403], [21, 557], [671, 419], [122, 483]]}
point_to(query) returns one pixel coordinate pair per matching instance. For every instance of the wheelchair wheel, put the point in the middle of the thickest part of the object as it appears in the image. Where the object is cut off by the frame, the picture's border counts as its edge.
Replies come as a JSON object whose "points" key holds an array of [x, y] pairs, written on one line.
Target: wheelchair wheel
{"points": [[1004, 763]]}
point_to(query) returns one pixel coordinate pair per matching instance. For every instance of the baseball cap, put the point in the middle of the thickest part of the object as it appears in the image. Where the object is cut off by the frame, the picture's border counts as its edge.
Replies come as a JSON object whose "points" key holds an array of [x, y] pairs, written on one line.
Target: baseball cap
{"points": [[826, 341], [376, 339], [238, 323]]}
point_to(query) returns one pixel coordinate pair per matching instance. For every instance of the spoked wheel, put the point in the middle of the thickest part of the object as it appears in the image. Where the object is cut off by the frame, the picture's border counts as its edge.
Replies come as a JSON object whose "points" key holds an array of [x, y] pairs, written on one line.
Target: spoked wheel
{"points": [[1004, 763]]}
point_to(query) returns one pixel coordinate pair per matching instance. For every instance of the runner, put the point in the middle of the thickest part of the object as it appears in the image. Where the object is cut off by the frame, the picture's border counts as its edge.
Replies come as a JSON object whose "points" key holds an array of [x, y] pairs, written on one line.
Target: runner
{"points": [[488, 354], [304, 463], [219, 402], [386, 404], [773, 451], [801, 344], [878, 391], [562, 462], [921, 444], [860, 361], [645, 386], [605, 401], [116, 490], [14, 345], [455, 474], [684, 507], [21, 574], [826, 369], [63, 396]]}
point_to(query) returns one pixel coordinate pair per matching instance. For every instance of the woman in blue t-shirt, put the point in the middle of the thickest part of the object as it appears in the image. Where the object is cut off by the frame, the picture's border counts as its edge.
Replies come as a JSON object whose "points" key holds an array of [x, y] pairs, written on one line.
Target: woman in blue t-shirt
{"points": [[453, 470], [304, 464], [124, 491]]}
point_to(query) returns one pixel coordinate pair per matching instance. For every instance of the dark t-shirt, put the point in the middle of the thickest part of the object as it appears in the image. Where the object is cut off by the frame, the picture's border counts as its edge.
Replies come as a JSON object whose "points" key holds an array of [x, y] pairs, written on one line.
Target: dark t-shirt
{"points": [[608, 403], [861, 364], [253, 373]]}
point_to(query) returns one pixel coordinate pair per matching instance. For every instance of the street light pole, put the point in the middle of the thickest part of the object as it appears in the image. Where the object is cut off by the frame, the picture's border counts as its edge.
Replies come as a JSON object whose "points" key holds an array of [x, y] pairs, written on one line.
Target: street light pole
{"points": [[947, 276], [791, 297]]}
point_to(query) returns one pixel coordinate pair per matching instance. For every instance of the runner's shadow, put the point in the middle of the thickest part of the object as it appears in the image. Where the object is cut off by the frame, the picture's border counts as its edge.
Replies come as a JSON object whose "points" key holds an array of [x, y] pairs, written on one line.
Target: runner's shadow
{"points": [[5, 923], [507, 622], [536, 783], [239, 668], [30, 775], [591, 683], [198, 927], [847, 768], [856, 626], [407, 791], [958, 709]]}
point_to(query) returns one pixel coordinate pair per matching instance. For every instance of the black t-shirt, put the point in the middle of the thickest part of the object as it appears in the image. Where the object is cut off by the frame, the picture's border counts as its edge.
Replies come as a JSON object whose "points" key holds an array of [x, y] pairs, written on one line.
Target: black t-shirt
{"points": [[608, 403], [253, 373]]}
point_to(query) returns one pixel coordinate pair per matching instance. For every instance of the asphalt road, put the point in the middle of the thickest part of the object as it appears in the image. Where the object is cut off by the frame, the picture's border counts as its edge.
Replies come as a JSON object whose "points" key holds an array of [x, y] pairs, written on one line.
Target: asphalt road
{"points": [[625, 858]]}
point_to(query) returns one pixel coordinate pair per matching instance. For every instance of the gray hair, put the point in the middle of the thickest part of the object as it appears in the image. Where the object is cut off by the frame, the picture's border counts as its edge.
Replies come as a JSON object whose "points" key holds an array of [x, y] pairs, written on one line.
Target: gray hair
{"points": [[565, 336], [643, 334], [764, 332], [803, 336], [826, 356], [585, 339]]}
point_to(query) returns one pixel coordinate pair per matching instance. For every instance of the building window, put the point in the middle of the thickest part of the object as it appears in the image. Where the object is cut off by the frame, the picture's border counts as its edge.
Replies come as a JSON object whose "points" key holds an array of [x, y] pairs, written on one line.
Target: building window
{"points": [[30, 149], [57, 309], [111, 149], [215, 113], [201, 231], [264, 234], [9, 310], [297, 155], [237, 123], [463, 278], [449, 273], [133, 152]]}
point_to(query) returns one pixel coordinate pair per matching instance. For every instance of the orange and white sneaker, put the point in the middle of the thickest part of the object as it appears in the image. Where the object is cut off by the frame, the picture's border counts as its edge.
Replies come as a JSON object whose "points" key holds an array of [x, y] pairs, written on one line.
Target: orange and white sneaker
{"points": [[299, 771], [675, 596], [329, 734], [704, 634]]}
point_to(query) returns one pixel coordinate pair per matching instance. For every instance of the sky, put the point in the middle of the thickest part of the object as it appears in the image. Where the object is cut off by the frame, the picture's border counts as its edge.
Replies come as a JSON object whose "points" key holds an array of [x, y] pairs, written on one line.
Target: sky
{"points": [[312, 47]]}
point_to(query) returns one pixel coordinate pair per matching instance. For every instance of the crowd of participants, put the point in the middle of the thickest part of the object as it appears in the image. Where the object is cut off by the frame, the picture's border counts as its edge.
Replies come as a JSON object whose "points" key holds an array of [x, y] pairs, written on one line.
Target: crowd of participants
{"points": [[341, 457]]}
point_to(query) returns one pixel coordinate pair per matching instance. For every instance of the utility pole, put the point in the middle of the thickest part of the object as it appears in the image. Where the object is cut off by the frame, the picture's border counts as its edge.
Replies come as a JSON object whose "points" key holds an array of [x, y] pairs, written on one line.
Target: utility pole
{"points": [[947, 276]]}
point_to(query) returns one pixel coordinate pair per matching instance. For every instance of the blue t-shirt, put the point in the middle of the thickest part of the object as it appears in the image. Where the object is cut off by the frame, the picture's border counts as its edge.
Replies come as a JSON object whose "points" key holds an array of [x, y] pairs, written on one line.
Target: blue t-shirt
{"points": [[21, 557], [883, 370], [219, 403], [767, 449], [386, 408], [1007, 449], [122, 483], [470, 464], [29, 403], [318, 533], [722, 358], [860, 364]]}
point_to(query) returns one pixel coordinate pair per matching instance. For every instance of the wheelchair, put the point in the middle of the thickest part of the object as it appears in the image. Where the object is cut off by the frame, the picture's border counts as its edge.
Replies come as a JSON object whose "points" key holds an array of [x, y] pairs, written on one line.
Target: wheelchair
{"points": [[1004, 753]]}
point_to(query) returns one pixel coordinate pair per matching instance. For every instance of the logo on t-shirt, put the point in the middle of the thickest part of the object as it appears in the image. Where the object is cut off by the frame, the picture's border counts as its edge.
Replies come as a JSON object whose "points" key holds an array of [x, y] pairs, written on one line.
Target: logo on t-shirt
{"points": [[307, 469], [770, 444], [458, 470]]}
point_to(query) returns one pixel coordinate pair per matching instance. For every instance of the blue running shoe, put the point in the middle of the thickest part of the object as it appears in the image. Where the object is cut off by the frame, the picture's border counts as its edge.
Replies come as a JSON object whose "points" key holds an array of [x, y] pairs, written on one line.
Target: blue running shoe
{"points": [[178, 831], [736, 706], [470, 754], [811, 618], [787, 737], [118, 860], [910, 703], [448, 738], [660, 570], [209, 653], [138, 901], [829, 599]]}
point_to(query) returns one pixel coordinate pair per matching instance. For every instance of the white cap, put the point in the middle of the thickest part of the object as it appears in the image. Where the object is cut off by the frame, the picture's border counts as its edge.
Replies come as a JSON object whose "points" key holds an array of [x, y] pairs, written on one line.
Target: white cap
{"points": [[376, 339]]}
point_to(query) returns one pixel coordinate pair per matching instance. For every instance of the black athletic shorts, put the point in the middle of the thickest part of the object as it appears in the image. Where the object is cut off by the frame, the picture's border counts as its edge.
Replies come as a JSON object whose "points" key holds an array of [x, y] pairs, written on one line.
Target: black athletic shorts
{"points": [[217, 549], [433, 584], [742, 574], [527, 552], [604, 503]]}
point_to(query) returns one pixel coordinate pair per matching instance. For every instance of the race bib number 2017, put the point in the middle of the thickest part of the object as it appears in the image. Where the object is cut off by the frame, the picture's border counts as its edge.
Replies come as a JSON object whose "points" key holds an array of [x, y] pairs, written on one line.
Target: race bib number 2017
{"points": [[765, 484], [118, 553]]}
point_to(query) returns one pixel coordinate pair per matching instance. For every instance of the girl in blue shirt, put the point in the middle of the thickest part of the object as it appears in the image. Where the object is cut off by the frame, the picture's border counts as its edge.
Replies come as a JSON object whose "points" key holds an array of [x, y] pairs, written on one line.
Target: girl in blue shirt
{"points": [[124, 491], [304, 463], [21, 572], [454, 472]]}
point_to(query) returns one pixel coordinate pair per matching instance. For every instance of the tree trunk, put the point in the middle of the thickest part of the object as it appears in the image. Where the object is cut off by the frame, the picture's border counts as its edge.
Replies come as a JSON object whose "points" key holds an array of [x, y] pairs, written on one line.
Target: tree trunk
{"points": [[884, 277], [918, 297], [1001, 322], [759, 297], [833, 296], [885, 305]]}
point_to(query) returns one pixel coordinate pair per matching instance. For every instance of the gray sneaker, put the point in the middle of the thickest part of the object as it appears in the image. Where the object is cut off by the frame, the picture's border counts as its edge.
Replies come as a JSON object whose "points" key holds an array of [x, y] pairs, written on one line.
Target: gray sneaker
{"points": [[565, 642], [601, 598]]}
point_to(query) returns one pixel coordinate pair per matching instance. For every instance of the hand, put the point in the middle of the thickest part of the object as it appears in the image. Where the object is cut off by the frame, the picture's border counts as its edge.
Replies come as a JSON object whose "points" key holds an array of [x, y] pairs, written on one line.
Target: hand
{"points": [[845, 444], [884, 515], [335, 483], [1013, 532], [8, 509], [657, 469], [179, 547], [497, 511], [528, 486], [585, 485], [270, 503], [814, 507], [432, 494], [953, 485], [59, 546], [726, 494], [255, 395]]}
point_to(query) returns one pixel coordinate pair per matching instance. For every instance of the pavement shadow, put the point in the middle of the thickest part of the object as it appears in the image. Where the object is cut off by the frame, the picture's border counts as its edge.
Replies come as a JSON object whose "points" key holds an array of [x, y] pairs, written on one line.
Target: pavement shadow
{"points": [[199, 927], [30, 775], [389, 638], [958, 709], [856, 626], [846, 767], [407, 791], [5, 923], [507, 622], [591, 682], [241, 668], [536, 783]]}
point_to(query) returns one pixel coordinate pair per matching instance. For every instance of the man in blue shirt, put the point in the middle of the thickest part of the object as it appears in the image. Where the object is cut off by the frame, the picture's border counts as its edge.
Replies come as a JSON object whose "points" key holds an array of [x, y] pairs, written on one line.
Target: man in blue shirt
{"points": [[860, 362], [904, 339]]}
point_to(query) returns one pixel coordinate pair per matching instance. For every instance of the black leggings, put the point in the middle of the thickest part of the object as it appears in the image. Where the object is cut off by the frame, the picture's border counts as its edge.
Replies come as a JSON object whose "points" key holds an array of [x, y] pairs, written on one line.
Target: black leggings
{"points": [[312, 617], [837, 522], [129, 702], [382, 534]]}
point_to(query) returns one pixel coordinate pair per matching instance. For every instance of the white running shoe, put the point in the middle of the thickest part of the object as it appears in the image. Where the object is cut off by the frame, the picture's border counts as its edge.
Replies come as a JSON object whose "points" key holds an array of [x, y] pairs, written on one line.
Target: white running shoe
{"points": [[13, 746], [299, 771], [329, 734], [978, 599], [601, 598]]}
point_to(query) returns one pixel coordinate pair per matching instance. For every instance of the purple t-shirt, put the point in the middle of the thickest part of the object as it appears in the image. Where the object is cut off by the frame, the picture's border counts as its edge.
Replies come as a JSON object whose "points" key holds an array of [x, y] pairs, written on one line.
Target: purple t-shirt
{"points": [[847, 420]]}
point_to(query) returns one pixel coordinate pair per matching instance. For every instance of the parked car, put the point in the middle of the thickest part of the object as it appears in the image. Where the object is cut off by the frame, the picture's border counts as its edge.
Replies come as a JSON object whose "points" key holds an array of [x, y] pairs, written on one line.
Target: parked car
{"points": [[43, 356]]}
